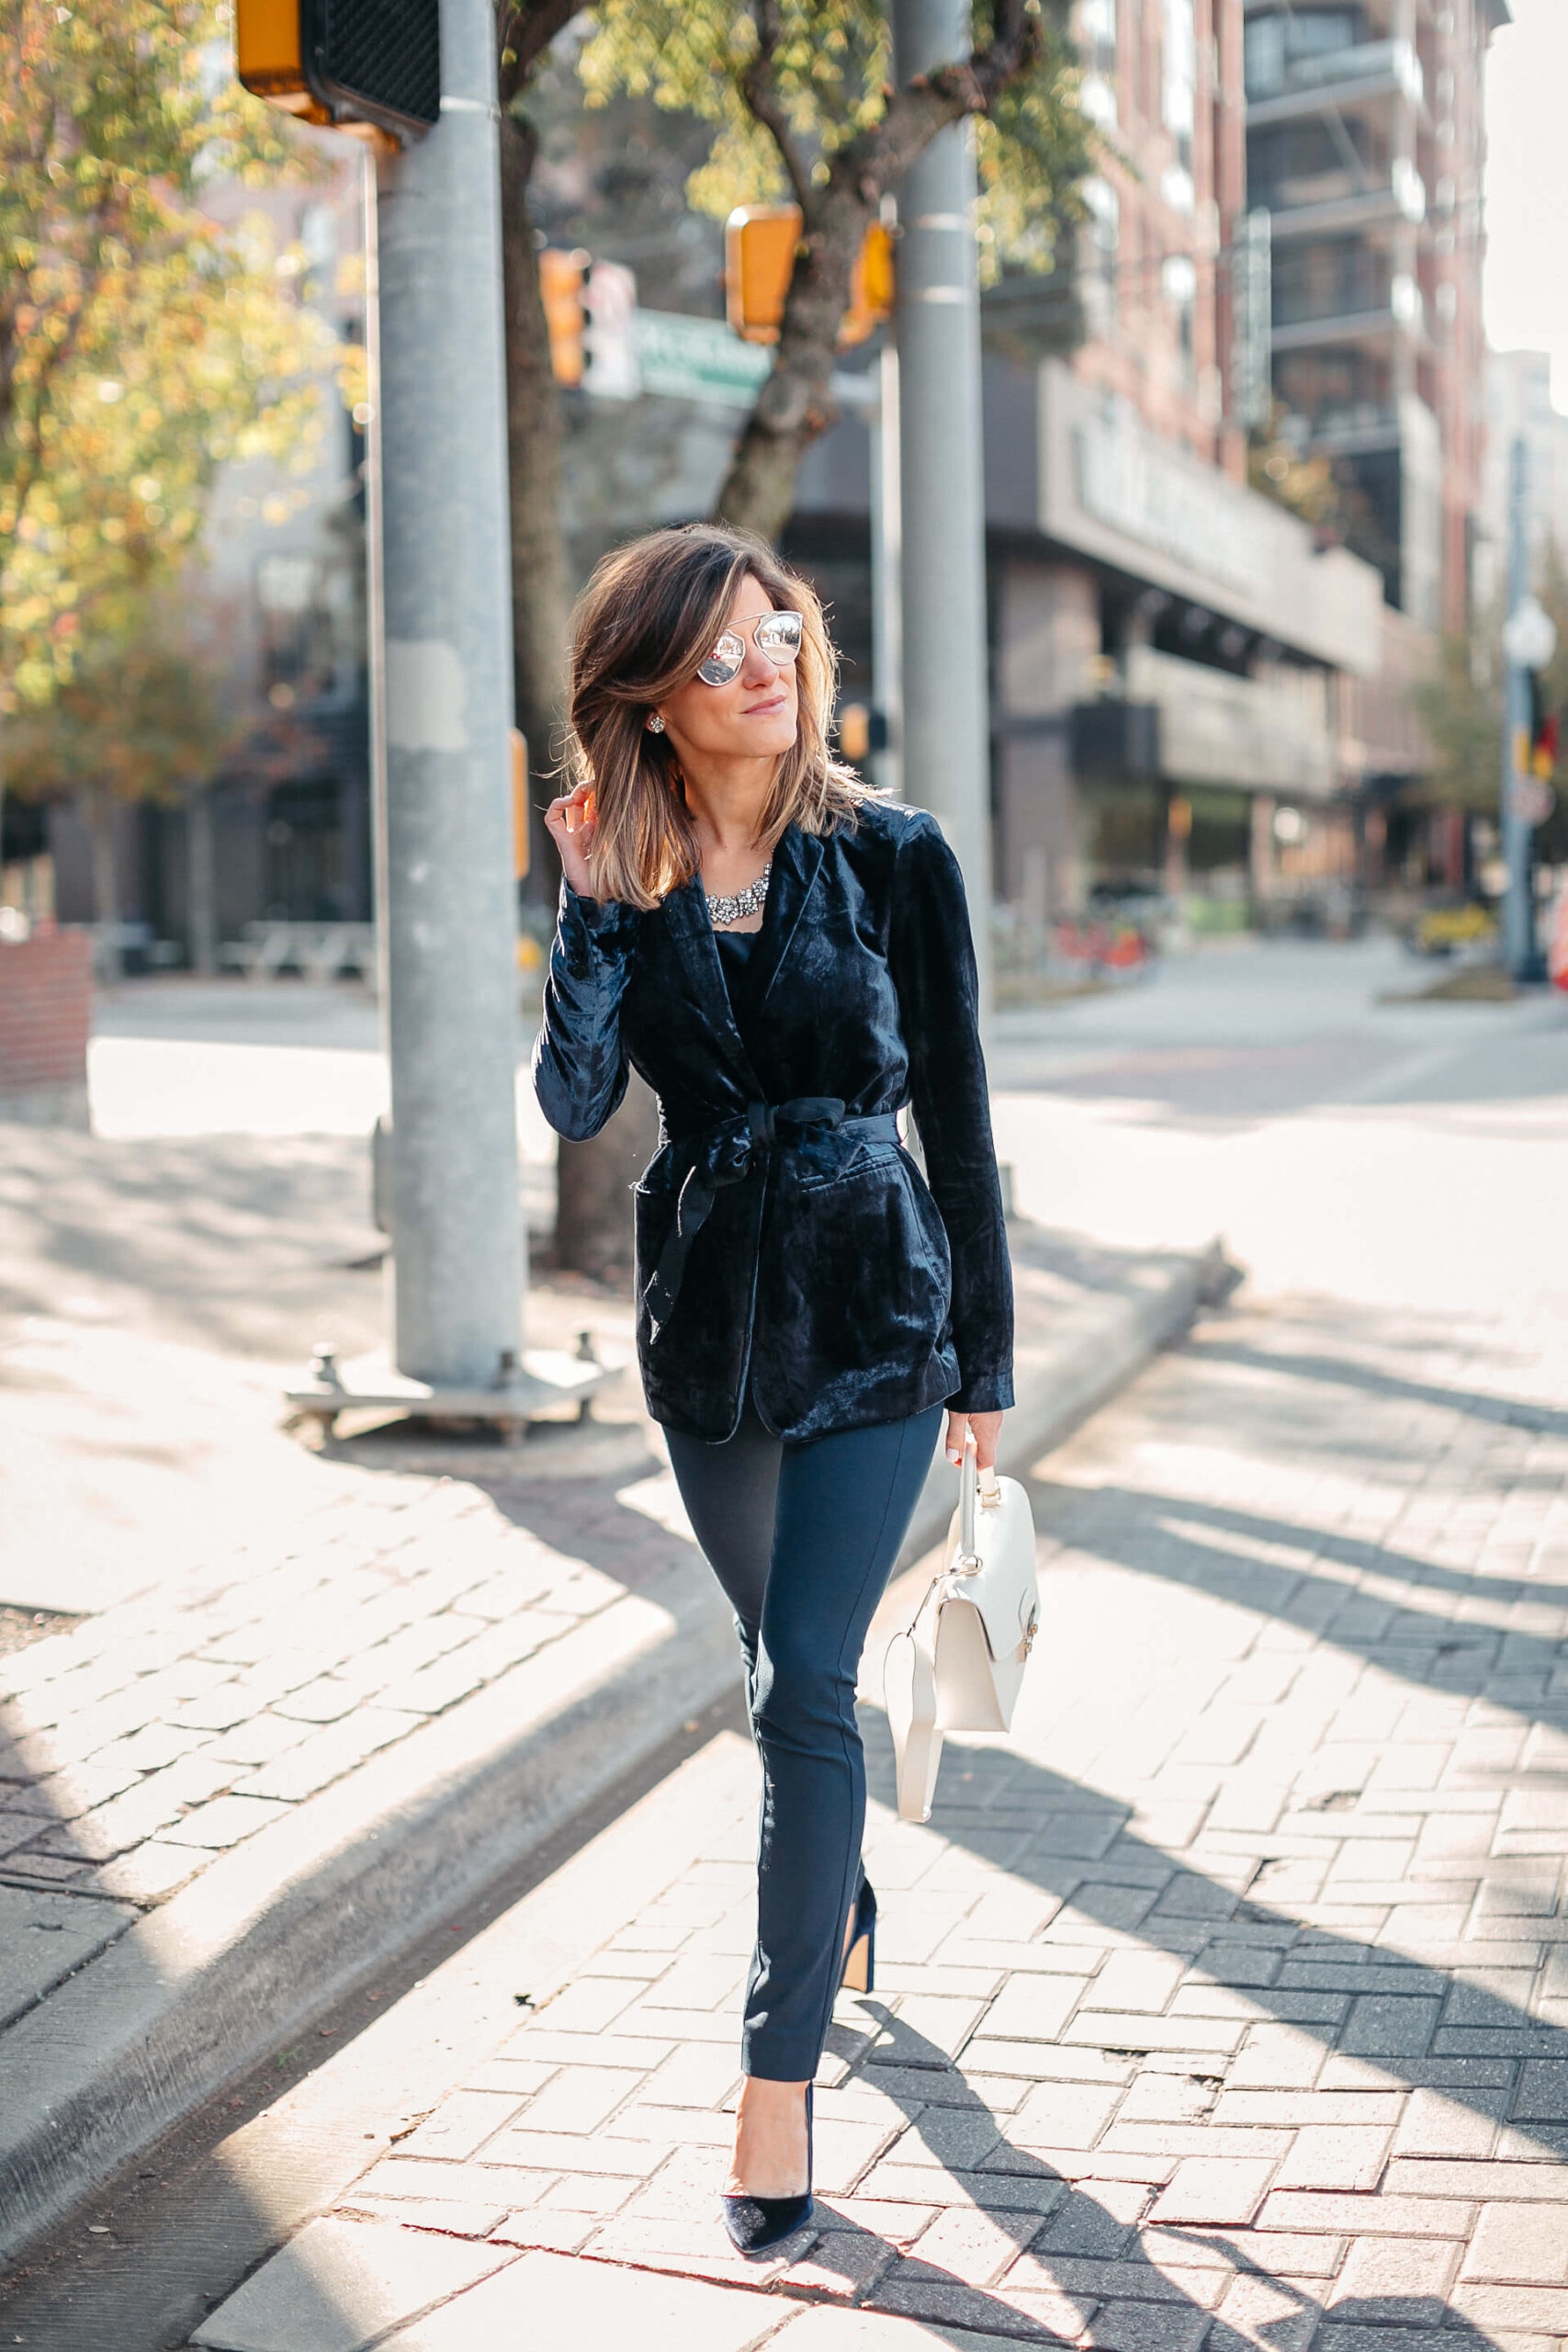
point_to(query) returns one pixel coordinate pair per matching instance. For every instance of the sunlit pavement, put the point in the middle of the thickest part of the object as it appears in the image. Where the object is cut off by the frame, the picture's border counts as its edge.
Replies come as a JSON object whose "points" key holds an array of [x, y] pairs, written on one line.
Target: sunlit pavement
{"points": [[1221, 2004], [1406, 1154]]}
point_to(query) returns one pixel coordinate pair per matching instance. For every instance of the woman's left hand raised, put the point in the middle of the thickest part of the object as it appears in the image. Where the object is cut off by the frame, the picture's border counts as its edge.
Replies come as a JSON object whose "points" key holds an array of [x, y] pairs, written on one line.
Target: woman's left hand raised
{"points": [[988, 1429]]}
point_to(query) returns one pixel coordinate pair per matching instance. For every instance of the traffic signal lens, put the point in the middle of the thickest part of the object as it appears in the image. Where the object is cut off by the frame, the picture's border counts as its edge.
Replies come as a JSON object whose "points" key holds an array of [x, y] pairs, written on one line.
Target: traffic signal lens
{"points": [[560, 286]]}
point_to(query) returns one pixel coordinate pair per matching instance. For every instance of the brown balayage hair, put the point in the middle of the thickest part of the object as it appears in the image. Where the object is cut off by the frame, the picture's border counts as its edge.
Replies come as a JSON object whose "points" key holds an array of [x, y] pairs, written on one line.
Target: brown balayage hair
{"points": [[651, 613]]}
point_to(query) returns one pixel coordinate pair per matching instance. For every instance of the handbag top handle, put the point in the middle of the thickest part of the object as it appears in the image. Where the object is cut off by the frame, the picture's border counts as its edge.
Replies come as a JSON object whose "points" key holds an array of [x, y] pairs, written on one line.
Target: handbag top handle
{"points": [[968, 1485], [970, 1494]]}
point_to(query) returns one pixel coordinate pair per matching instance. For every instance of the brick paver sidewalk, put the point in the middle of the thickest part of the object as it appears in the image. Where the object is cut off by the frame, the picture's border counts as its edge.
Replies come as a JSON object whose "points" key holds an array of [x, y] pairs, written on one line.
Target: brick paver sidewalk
{"points": [[1224, 2003]]}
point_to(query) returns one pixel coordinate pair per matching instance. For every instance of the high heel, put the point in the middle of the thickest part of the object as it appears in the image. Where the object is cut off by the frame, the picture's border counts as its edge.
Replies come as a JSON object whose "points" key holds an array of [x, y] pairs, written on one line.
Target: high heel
{"points": [[860, 1961], [756, 2224]]}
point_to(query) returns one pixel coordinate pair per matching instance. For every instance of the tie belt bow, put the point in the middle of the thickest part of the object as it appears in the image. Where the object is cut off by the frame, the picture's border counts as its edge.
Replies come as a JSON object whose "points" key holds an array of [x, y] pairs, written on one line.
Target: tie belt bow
{"points": [[725, 1154]]}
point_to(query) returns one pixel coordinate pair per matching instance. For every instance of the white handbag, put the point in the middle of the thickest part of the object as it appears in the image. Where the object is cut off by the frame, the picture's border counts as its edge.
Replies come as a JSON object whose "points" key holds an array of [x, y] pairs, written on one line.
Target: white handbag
{"points": [[958, 1666]]}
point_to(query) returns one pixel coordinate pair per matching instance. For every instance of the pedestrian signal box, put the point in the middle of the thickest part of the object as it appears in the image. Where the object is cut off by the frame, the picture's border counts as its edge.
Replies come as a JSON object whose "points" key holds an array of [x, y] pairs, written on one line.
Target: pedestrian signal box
{"points": [[760, 241], [350, 63]]}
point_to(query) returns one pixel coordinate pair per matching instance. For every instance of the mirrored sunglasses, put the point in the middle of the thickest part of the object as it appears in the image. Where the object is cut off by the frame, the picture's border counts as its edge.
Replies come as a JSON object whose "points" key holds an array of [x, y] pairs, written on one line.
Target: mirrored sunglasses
{"points": [[776, 634]]}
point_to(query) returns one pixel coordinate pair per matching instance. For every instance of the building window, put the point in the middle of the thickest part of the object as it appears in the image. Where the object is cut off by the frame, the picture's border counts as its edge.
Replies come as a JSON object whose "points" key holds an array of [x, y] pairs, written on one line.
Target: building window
{"points": [[1097, 37], [1179, 284], [1273, 45], [1103, 238], [1179, 80], [301, 607]]}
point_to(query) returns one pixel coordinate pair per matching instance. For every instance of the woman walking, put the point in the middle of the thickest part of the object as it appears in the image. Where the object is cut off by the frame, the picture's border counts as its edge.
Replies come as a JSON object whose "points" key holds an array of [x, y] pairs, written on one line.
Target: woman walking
{"points": [[787, 961]]}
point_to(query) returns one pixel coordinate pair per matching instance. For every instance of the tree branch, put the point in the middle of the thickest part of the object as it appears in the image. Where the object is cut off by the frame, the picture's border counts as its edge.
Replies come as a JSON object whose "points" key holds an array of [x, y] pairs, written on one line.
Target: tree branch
{"points": [[878, 159], [524, 29], [764, 102], [796, 404]]}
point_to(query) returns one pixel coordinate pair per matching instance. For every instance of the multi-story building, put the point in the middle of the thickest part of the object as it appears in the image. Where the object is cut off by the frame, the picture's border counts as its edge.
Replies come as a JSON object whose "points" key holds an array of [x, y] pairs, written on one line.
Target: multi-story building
{"points": [[280, 607], [1366, 144], [1169, 646], [1520, 405]]}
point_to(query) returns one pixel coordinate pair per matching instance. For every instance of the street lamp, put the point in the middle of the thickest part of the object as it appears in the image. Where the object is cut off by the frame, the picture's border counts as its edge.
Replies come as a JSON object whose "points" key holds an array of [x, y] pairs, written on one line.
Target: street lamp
{"points": [[1529, 635]]}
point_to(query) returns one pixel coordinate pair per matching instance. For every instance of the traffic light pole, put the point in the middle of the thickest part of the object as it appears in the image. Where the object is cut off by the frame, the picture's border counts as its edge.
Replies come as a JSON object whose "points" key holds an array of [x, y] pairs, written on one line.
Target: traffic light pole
{"points": [[449, 917], [1521, 956], [946, 741]]}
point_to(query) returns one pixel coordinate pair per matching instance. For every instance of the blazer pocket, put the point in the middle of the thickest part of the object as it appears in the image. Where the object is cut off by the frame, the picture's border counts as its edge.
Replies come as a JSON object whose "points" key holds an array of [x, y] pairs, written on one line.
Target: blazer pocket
{"points": [[817, 1167], [654, 1197]]}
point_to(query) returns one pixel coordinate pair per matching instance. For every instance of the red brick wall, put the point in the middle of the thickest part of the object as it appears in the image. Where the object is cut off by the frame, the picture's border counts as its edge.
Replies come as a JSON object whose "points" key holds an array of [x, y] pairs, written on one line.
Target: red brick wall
{"points": [[46, 997]]}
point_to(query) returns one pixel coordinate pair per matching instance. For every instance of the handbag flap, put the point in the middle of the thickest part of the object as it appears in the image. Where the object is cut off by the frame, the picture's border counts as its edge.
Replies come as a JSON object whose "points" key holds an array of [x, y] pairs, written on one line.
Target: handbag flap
{"points": [[1003, 1589]]}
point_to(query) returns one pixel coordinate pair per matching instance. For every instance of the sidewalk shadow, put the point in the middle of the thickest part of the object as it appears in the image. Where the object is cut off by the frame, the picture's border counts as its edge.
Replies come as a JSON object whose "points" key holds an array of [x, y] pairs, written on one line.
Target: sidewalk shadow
{"points": [[1160, 1535], [1075, 2261], [1343, 1372]]}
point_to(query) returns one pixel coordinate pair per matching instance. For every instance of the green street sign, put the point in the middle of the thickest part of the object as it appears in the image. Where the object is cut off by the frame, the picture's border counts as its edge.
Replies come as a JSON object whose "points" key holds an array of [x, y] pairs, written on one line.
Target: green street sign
{"points": [[698, 359]]}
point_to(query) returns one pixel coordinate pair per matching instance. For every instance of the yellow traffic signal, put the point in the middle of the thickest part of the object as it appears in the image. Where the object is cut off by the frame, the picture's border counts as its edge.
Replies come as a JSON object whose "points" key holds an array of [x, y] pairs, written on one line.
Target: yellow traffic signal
{"points": [[854, 731], [760, 241], [870, 289], [374, 72], [561, 278], [520, 842]]}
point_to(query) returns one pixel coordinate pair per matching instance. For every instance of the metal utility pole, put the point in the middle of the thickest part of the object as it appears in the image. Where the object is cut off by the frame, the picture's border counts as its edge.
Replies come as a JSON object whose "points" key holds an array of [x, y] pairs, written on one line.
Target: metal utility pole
{"points": [[1529, 642], [449, 916], [887, 542], [946, 736]]}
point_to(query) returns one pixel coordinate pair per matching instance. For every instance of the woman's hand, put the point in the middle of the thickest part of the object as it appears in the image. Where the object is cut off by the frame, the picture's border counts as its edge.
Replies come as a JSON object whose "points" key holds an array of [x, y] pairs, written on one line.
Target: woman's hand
{"points": [[572, 821], [988, 1429]]}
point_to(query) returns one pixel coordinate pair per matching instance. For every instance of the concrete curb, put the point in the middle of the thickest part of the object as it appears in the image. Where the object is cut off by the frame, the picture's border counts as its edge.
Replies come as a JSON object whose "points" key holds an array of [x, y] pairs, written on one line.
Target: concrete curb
{"points": [[315, 1905]]}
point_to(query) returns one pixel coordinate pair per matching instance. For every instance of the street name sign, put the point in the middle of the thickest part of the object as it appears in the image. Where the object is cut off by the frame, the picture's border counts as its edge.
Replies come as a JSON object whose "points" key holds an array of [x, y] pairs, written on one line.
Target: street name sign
{"points": [[698, 359]]}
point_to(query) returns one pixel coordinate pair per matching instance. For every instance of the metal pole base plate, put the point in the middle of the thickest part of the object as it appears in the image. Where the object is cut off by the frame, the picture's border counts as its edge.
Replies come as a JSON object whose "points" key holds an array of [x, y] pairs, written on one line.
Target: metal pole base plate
{"points": [[547, 1379]]}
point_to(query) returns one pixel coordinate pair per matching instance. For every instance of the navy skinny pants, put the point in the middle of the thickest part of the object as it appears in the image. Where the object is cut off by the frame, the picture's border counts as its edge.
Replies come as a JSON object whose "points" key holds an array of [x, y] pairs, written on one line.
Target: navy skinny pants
{"points": [[803, 1538]]}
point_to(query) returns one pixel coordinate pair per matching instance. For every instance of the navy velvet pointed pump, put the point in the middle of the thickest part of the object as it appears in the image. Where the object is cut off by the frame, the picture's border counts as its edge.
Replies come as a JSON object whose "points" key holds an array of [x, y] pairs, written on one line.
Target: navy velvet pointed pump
{"points": [[860, 1960], [756, 2224]]}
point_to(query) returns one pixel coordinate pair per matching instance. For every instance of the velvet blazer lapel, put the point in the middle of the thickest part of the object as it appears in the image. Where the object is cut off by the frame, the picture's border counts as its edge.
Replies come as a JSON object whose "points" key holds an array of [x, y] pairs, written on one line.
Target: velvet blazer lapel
{"points": [[796, 861]]}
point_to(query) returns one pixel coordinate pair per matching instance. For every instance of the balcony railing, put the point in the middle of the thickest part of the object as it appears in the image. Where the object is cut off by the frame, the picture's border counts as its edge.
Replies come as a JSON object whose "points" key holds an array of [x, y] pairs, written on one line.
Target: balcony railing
{"points": [[1374, 67], [1345, 424], [1357, 298], [1349, 293], [1341, 198]]}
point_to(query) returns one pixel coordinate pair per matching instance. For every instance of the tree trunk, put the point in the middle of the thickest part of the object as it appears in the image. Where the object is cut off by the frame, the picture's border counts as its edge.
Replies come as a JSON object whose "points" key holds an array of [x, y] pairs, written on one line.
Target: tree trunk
{"points": [[100, 819], [796, 404], [593, 1208], [541, 578], [201, 883], [593, 1205]]}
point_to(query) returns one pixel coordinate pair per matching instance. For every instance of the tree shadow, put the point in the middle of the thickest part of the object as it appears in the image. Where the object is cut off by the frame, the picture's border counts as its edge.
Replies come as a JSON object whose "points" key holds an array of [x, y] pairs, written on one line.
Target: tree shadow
{"points": [[1223, 1552], [1341, 1372], [1042, 2254]]}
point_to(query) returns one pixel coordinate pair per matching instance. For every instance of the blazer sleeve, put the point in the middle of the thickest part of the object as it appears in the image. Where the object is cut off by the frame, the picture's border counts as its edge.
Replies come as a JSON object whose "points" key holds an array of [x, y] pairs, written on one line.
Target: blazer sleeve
{"points": [[931, 956], [579, 1061]]}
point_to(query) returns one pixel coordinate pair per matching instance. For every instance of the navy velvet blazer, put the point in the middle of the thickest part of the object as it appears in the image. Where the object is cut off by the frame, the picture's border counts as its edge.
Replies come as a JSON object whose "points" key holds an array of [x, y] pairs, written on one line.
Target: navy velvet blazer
{"points": [[783, 1231]]}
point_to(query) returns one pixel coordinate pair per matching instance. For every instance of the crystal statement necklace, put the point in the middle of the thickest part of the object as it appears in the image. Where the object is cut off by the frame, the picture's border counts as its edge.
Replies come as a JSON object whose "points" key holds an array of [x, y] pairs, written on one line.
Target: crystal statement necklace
{"points": [[735, 908]]}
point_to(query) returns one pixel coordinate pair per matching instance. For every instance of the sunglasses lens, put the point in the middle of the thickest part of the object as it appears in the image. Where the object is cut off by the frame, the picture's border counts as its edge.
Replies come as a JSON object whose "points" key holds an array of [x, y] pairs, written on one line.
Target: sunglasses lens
{"points": [[723, 662], [779, 638]]}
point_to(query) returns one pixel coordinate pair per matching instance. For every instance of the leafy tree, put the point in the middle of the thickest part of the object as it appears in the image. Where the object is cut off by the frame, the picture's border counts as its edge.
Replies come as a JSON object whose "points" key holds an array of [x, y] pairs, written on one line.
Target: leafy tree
{"points": [[1460, 709], [541, 577], [143, 341], [138, 719], [802, 105], [1305, 486]]}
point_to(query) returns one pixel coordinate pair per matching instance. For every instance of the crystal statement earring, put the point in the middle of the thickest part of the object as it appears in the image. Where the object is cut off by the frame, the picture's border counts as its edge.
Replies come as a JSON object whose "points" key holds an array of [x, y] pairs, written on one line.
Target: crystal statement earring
{"points": [[655, 724]]}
